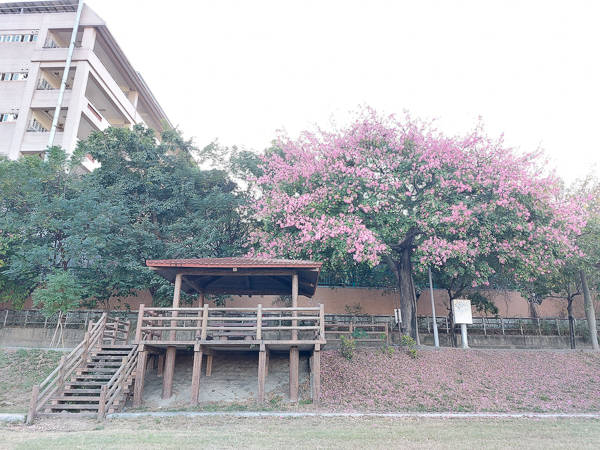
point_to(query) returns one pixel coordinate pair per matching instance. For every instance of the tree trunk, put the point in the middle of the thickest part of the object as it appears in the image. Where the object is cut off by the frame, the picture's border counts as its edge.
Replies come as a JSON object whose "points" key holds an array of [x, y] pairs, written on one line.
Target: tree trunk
{"points": [[402, 269], [571, 322], [590, 314]]}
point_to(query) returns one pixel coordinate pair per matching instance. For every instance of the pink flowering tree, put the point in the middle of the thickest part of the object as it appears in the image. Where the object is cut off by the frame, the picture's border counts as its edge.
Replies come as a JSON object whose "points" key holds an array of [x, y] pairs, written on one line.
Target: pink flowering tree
{"points": [[398, 191]]}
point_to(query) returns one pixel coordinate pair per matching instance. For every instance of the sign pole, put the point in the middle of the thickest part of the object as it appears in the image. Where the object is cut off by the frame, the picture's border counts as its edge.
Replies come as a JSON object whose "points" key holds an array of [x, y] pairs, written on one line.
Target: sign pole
{"points": [[436, 339], [463, 335]]}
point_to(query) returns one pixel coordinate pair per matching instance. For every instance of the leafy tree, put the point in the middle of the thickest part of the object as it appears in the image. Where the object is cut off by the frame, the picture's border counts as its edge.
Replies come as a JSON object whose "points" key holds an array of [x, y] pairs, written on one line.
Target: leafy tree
{"points": [[172, 208], [580, 274], [59, 293], [398, 191]]}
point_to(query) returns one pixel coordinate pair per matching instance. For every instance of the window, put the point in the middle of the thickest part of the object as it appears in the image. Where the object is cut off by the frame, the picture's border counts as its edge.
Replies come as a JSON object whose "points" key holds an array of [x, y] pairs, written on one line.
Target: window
{"points": [[8, 117], [44, 85], [18, 38], [13, 76]]}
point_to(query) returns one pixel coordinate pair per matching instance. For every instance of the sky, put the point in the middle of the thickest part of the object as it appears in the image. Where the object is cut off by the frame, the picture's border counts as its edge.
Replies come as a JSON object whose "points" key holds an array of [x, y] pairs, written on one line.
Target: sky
{"points": [[241, 70]]}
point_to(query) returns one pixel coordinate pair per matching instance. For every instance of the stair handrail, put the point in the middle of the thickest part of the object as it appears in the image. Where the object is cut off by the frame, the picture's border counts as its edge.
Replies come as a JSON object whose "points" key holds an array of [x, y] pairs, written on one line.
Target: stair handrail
{"points": [[115, 385], [43, 392]]}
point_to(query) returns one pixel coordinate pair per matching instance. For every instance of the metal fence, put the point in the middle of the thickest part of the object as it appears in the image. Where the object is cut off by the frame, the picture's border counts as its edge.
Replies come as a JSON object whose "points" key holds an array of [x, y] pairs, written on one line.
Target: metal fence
{"points": [[542, 326], [76, 319]]}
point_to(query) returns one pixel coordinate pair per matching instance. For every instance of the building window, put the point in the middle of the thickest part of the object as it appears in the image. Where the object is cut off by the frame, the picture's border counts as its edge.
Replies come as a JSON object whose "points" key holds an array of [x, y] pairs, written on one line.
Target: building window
{"points": [[18, 38], [10, 117], [13, 76]]}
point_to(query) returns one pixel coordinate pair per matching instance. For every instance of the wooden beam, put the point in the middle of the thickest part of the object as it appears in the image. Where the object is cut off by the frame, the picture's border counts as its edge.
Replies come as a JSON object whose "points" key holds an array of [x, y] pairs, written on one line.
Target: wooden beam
{"points": [[211, 280], [294, 366], [140, 375], [262, 373], [161, 365], [196, 373], [238, 273], [316, 375], [209, 363], [167, 391], [192, 284], [294, 305]]}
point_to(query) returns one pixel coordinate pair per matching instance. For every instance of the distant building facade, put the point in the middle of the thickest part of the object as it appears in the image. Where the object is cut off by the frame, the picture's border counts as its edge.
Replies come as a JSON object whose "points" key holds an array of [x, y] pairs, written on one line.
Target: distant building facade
{"points": [[103, 89]]}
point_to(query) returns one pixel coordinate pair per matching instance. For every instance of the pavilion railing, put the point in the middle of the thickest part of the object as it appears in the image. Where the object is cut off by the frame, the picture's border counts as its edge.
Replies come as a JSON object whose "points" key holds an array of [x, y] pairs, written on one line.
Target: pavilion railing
{"points": [[190, 324]]}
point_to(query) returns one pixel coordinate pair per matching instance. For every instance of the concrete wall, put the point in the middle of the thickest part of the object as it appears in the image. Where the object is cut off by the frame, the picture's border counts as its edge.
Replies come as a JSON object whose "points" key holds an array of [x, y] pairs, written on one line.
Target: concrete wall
{"points": [[378, 301], [37, 337]]}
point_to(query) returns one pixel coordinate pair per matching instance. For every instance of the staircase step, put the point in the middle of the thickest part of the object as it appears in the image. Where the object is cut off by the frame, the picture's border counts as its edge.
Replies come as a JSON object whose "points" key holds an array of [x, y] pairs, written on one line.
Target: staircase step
{"points": [[77, 378], [107, 363], [89, 370], [84, 383], [81, 391], [86, 406], [75, 398]]}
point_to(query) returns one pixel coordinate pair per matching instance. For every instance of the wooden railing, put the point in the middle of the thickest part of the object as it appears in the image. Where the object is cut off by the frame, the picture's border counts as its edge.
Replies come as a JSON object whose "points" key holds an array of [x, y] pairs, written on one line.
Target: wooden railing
{"points": [[116, 331], [190, 324], [360, 332], [118, 383], [43, 392]]}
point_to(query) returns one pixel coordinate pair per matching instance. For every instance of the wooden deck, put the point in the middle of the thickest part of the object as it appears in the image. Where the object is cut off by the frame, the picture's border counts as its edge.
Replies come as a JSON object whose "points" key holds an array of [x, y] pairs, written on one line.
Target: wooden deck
{"points": [[162, 331]]}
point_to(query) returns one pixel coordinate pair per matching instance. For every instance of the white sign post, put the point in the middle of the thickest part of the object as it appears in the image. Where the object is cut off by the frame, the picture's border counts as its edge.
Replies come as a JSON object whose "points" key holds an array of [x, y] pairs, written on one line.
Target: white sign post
{"points": [[461, 310]]}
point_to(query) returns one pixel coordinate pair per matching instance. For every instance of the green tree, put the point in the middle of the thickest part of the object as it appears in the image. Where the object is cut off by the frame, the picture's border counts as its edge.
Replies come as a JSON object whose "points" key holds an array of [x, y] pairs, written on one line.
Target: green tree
{"points": [[172, 208]]}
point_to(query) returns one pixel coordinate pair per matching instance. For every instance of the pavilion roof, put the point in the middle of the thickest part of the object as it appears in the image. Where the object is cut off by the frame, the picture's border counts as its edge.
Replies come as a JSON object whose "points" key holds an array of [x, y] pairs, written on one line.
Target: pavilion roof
{"points": [[240, 276]]}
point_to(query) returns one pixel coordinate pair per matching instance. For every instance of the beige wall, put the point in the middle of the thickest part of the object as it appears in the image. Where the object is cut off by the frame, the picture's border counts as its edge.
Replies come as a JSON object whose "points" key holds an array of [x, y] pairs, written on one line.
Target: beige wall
{"points": [[376, 301]]}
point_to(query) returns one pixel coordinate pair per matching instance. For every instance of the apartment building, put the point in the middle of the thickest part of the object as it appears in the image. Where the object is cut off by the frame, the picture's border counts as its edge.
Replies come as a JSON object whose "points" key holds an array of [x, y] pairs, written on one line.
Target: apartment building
{"points": [[102, 88]]}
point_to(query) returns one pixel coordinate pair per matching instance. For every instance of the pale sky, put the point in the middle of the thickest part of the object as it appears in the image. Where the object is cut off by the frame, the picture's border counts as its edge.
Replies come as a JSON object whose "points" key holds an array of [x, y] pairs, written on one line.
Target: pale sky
{"points": [[240, 70]]}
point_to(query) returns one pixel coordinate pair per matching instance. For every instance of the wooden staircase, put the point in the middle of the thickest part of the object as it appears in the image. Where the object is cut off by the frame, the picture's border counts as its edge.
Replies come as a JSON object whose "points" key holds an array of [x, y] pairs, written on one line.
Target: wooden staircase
{"points": [[95, 378]]}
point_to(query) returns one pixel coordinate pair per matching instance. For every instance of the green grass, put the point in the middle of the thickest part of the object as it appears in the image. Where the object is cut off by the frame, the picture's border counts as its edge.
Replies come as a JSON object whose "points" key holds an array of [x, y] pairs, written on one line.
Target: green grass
{"points": [[308, 432], [19, 371]]}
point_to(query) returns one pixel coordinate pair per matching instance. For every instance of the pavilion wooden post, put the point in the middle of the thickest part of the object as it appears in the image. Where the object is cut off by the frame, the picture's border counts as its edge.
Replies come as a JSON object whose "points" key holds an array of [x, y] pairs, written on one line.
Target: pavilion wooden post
{"points": [[196, 373], [294, 305], [262, 373], [161, 365], [316, 371], [140, 375], [294, 364], [140, 323], [294, 351], [172, 350]]}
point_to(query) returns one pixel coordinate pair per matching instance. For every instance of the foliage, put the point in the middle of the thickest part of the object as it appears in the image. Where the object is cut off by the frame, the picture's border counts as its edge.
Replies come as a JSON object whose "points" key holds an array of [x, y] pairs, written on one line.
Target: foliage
{"points": [[59, 293], [408, 344], [354, 309], [398, 191], [147, 200], [386, 349], [347, 347], [359, 333], [173, 209], [482, 303]]}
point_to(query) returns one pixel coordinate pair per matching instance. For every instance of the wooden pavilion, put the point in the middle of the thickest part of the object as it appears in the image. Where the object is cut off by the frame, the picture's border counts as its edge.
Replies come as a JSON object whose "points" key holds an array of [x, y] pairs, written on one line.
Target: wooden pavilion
{"points": [[161, 331]]}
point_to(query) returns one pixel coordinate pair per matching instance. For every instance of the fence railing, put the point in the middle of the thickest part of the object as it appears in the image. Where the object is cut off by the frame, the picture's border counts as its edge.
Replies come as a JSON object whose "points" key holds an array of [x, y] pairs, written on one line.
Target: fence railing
{"points": [[75, 319], [190, 324], [541, 326], [79, 319]]}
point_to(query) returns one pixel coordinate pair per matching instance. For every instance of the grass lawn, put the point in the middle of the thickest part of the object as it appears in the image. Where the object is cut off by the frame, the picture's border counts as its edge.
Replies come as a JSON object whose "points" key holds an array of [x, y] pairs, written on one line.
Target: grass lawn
{"points": [[308, 432], [19, 371]]}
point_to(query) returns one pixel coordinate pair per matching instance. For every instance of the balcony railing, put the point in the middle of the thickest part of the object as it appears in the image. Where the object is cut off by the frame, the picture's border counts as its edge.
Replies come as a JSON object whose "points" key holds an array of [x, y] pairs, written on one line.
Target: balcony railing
{"points": [[189, 325], [37, 127], [43, 85], [51, 43]]}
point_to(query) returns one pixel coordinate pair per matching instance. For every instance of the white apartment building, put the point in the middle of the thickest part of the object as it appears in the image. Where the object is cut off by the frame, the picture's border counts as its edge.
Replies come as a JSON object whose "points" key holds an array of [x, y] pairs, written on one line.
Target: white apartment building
{"points": [[102, 90]]}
